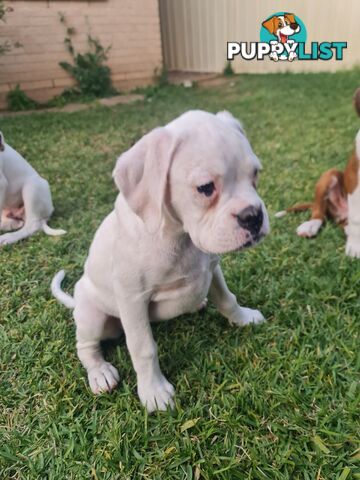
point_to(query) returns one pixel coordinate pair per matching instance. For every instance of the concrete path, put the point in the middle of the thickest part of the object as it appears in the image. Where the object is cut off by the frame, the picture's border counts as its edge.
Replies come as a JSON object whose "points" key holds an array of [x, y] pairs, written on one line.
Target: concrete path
{"points": [[77, 107]]}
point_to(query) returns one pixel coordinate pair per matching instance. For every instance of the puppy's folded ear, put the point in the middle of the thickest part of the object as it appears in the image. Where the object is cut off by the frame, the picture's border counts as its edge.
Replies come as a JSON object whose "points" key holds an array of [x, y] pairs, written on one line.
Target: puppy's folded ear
{"points": [[141, 174], [290, 17], [230, 120], [270, 24], [2, 142]]}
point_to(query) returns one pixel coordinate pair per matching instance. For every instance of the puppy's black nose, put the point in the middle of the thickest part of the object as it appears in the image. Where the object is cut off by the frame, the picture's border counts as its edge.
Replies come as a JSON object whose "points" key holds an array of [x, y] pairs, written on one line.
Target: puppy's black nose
{"points": [[251, 218], [294, 26]]}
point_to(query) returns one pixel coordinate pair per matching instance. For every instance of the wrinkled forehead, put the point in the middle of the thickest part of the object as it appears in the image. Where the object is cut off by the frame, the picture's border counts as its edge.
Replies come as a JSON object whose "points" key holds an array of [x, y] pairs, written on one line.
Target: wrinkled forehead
{"points": [[218, 149]]}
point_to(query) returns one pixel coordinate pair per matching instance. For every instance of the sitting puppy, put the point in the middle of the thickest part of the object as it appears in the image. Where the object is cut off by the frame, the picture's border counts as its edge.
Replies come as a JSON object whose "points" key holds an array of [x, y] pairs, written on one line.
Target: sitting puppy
{"points": [[337, 196], [188, 193], [25, 199]]}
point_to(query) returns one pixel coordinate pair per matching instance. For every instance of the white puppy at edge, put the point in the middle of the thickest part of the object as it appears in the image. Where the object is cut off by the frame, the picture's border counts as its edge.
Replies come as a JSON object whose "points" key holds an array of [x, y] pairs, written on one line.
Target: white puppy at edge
{"points": [[25, 198], [188, 193]]}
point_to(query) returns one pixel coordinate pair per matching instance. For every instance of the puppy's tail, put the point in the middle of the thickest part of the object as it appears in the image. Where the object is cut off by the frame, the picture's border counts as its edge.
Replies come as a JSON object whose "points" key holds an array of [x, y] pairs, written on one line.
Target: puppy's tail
{"points": [[52, 231], [59, 294], [296, 208]]}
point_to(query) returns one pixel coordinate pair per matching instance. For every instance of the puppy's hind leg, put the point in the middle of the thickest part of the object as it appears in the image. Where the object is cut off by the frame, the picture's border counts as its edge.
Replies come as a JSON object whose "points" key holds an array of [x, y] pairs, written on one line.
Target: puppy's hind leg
{"points": [[310, 228], [7, 224], [24, 232], [38, 208], [12, 219], [320, 206], [43, 208], [226, 303], [90, 331]]}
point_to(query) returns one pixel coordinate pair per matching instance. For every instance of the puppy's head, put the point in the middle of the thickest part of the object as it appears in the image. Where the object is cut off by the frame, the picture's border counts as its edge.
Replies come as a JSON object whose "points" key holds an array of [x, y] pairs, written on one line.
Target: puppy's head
{"points": [[2, 142], [282, 26], [201, 171]]}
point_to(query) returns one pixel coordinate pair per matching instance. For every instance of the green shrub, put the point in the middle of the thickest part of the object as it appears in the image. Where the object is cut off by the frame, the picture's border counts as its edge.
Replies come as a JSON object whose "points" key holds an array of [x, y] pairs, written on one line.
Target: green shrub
{"points": [[4, 47], [92, 76], [228, 70], [161, 76], [161, 79], [69, 95], [18, 100]]}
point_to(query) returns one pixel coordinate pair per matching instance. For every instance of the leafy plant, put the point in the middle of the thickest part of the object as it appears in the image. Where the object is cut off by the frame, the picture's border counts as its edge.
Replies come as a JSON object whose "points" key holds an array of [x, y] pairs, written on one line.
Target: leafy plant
{"points": [[6, 46], [68, 95], [92, 76], [161, 76], [18, 100], [4, 9], [228, 70]]}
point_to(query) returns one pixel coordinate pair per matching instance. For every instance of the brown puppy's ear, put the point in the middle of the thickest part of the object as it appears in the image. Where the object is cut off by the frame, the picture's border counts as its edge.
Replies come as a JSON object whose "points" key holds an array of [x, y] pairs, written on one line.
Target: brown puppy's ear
{"points": [[141, 174], [290, 17], [271, 24], [357, 101], [2, 142]]}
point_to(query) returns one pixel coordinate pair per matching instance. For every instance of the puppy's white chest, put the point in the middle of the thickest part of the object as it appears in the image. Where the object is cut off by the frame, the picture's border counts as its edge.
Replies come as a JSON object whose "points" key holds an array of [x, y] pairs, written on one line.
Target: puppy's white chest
{"points": [[188, 282]]}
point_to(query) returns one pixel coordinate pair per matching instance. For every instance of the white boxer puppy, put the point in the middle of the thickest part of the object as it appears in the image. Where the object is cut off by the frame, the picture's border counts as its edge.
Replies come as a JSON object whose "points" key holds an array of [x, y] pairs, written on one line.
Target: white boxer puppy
{"points": [[25, 198], [188, 193]]}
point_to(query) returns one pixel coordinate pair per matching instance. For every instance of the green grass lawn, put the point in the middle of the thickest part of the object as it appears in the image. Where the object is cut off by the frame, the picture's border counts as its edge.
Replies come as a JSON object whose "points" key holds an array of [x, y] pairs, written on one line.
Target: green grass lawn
{"points": [[276, 401]]}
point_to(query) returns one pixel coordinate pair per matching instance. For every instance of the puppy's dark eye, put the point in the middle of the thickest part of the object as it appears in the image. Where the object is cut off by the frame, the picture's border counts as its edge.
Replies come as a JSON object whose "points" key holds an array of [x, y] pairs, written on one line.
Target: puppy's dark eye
{"points": [[207, 189]]}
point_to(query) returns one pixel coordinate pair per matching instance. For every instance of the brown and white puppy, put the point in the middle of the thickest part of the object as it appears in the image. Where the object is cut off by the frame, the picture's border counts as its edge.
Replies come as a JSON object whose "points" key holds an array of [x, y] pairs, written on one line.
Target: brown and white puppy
{"points": [[282, 26], [337, 197]]}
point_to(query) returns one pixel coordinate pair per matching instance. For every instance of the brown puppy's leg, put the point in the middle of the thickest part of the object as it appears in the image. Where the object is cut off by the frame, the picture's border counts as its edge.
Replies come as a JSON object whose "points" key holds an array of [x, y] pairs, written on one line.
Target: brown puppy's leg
{"points": [[337, 200], [320, 205]]}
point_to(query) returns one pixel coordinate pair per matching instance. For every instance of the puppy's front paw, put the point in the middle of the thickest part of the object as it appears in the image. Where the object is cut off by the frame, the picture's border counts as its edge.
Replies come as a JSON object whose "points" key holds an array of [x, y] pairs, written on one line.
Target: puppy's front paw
{"points": [[245, 316], [274, 56], [157, 395], [309, 229], [6, 239], [352, 248], [103, 378]]}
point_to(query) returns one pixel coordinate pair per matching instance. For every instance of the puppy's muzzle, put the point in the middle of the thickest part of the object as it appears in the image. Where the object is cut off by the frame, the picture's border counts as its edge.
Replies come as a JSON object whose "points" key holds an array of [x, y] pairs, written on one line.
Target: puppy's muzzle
{"points": [[294, 26], [251, 219]]}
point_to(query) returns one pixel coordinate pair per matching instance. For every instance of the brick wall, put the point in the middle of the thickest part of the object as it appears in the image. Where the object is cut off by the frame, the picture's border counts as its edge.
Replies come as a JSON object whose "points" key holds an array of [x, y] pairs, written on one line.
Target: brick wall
{"points": [[131, 27]]}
